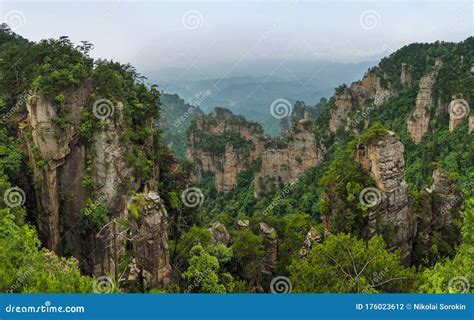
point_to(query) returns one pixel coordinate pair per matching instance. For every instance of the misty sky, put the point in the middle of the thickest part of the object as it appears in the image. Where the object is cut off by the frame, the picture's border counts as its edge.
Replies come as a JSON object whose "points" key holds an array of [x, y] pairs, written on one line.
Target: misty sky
{"points": [[217, 36]]}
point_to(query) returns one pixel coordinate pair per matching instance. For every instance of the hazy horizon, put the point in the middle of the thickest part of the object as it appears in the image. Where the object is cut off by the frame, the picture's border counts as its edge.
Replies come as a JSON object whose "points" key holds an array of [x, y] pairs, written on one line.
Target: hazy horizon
{"points": [[209, 40]]}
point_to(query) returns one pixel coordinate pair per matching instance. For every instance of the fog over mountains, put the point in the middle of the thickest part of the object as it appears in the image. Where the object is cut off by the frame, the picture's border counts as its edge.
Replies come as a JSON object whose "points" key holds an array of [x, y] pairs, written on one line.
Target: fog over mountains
{"points": [[252, 96]]}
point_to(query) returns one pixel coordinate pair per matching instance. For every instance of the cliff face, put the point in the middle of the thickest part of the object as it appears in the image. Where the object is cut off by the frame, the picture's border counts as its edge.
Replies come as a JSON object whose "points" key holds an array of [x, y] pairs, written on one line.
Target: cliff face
{"points": [[406, 76], [356, 98], [284, 165], [71, 176], [383, 161], [419, 121], [150, 239], [51, 149], [270, 240], [444, 199], [458, 111], [225, 144], [439, 208]]}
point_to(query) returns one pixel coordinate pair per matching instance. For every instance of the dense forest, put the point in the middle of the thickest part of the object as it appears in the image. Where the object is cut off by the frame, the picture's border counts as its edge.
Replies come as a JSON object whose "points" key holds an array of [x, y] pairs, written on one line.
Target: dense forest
{"points": [[94, 198]]}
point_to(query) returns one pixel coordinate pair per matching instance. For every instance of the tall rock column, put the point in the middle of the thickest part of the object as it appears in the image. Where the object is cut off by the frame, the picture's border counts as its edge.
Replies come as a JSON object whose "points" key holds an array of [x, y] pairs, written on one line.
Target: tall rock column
{"points": [[271, 247], [50, 147], [382, 160], [149, 232], [458, 110], [419, 120]]}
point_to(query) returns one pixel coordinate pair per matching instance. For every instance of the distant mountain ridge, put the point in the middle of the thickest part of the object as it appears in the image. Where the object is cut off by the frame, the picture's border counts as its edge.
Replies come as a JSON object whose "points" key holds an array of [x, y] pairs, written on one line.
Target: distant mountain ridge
{"points": [[252, 96]]}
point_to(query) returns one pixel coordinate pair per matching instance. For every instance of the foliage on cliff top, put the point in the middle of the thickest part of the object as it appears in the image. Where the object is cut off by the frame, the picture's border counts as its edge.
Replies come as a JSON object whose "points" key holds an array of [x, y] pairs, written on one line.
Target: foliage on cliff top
{"points": [[344, 263], [373, 134]]}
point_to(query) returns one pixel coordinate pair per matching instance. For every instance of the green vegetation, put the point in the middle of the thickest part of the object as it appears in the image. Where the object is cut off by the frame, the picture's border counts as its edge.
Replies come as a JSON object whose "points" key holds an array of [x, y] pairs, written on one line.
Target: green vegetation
{"points": [[27, 268], [344, 259], [346, 264]]}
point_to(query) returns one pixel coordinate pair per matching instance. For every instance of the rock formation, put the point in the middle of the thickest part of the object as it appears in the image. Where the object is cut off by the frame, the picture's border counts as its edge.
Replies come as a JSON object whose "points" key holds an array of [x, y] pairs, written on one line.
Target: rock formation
{"points": [[270, 241], [419, 120], [63, 162], [49, 148], [224, 144], [149, 234], [356, 98], [341, 110], [285, 163], [406, 76], [382, 159], [439, 206], [242, 224], [219, 233], [312, 236], [444, 197]]}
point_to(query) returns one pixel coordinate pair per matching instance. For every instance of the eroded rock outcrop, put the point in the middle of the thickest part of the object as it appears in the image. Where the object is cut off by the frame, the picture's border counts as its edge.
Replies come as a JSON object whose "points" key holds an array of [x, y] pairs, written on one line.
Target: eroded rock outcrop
{"points": [[382, 159], [458, 111], [439, 207], [270, 241], [356, 98], [224, 144], [243, 224], [313, 236], [49, 148], [74, 177], [406, 76], [149, 235], [445, 199], [219, 233], [286, 162], [418, 123]]}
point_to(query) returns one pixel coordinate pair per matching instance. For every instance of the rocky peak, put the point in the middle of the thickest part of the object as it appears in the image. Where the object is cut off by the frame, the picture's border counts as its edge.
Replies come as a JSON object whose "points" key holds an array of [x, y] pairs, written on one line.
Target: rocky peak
{"points": [[356, 98], [446, 197], [439, 206], [419, 121], [50, 150], [271, 247], [149, 232], [225, 144], [221, 113], [458, 111], [92, 171], [243, 224], [284, 163], [313, 236], [382, 159], [406, 76]]}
